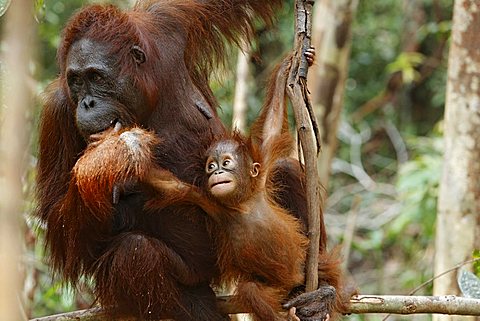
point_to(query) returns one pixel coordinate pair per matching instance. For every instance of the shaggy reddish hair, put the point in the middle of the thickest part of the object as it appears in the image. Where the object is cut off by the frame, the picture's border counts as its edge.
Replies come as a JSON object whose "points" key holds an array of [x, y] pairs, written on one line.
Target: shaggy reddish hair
{"points": [[198, 27]]}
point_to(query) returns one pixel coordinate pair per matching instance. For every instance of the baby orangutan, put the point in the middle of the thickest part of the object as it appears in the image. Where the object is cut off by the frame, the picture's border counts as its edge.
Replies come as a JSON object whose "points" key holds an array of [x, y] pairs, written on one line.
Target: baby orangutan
{"points": [[260, 245]]}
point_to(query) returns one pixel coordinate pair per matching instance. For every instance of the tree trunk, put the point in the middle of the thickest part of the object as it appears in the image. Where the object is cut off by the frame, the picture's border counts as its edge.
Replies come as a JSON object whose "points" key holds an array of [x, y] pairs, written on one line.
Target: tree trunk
{"points": [[13, 146], [239, 119], [332, 38], [459, 199]]}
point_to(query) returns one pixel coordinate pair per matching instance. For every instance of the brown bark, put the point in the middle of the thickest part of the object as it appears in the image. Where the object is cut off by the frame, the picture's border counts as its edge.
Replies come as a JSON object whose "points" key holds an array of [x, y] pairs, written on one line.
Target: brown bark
{"points": [[458, 218], [13, 144]]}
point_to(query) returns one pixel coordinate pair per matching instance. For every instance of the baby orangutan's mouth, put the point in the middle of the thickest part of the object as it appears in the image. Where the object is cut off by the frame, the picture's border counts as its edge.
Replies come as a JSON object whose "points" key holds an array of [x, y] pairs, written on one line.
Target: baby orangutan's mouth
{"points": [[222, 188], [220, 183]]}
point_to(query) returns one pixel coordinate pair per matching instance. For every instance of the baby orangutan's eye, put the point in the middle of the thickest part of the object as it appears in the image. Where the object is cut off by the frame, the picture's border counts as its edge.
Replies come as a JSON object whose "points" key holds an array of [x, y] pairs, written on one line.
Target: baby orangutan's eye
{"points": [[211, 166]]}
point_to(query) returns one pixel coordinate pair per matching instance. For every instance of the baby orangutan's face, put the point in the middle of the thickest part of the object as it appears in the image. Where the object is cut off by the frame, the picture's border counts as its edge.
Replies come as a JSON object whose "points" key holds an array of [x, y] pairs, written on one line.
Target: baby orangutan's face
{"points": [[229, 171]]}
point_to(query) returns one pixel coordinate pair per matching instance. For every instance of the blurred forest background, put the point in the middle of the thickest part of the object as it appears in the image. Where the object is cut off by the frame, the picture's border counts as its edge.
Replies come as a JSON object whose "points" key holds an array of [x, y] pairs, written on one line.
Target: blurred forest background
{"points": [[383, 187]]}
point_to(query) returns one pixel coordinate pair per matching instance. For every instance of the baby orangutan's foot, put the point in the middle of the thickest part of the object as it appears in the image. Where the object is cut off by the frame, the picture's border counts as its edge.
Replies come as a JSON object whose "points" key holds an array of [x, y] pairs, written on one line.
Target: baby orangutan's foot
{"points": [[312, 306]]}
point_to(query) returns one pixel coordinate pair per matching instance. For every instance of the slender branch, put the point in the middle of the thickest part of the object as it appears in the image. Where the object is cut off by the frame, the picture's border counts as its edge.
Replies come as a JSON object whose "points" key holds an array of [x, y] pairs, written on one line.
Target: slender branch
{"points": [[305, 120], [395, 304], [94, 314]]}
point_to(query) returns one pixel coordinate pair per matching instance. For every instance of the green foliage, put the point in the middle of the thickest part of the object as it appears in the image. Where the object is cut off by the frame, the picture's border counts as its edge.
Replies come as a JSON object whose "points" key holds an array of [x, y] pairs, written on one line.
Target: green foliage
{"points": [[406, 63], [54, 298], [476, 264], [376, 42], [436, 29], [386, 42], [404, 58], [52, 15], [39, 9], [417, 186]]}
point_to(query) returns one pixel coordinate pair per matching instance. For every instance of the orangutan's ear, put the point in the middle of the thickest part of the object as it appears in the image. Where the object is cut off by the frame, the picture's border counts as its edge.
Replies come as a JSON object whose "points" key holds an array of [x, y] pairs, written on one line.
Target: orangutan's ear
{"points": [[255, 170], [138, 55]]}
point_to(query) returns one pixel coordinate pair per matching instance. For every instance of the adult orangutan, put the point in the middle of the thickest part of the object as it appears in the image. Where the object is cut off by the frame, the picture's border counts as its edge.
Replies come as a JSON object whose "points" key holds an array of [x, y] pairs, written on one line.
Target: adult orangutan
{"points": [[259, 244], [149, 67]]}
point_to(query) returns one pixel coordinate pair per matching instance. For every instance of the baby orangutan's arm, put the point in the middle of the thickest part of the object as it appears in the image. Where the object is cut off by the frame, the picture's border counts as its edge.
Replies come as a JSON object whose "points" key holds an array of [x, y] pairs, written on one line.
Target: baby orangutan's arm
{"points": [[174, 190]]}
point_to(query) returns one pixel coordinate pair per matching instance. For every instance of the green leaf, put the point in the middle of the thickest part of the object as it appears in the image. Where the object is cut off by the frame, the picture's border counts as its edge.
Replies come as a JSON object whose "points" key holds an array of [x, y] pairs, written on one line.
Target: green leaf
{"points": [[476, 264], [4, 4], [406, 63]]}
